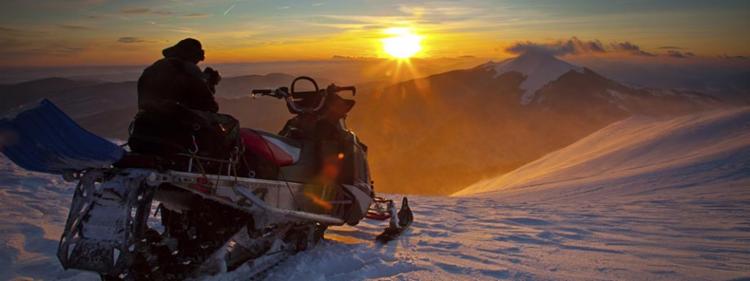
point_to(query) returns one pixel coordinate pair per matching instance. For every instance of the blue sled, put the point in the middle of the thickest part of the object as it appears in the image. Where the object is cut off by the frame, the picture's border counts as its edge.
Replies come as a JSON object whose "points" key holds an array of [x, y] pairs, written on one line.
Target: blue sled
{"points": [[44, 139]]}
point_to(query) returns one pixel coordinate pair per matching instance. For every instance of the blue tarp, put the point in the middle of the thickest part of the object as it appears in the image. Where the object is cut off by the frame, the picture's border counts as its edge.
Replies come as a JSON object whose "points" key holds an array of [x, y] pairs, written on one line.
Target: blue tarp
{"points": [[44, 139]]}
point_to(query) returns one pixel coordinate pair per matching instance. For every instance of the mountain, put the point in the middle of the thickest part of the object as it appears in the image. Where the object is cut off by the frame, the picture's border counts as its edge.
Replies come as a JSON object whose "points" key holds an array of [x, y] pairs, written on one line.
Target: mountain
{"points": [[107, 108], [720, 77], [538, 69], [549, 80], [239, 86], [432, 135], [707, 154], [446, 131], [25, 92]]}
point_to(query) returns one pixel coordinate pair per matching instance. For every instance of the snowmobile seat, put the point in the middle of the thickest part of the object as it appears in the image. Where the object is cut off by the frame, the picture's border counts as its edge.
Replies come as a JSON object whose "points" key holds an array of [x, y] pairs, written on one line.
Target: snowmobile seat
{"points": [[43, 138], [146, 161], [169, 128]]}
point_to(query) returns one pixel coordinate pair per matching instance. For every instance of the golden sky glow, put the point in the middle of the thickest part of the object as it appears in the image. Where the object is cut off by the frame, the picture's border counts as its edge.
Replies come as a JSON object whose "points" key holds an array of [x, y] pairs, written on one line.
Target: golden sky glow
{"points": [[85, 32]]}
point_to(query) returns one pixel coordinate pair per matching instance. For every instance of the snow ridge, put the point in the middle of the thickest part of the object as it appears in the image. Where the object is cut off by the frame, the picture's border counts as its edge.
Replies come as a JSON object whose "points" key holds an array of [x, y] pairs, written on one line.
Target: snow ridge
{"points": [[641, 156]]}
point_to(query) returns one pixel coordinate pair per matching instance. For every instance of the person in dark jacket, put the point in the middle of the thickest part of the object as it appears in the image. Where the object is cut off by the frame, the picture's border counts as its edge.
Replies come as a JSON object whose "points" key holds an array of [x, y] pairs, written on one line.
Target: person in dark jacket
{"points": [[176, 107], [177, 78]]}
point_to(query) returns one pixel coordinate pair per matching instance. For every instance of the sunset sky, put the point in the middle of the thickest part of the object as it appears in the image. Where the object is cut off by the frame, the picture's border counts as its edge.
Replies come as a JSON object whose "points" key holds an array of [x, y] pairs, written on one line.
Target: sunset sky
{"points": [[100, 32]]}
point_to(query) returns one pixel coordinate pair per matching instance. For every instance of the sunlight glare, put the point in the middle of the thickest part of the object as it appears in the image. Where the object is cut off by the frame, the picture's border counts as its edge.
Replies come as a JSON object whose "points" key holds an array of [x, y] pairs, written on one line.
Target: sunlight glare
{"points": [[402, 43]]}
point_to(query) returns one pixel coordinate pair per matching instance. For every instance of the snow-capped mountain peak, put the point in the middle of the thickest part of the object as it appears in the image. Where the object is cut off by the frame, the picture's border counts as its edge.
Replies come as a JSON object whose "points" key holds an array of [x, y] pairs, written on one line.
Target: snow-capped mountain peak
{"points": [[539, 69]]}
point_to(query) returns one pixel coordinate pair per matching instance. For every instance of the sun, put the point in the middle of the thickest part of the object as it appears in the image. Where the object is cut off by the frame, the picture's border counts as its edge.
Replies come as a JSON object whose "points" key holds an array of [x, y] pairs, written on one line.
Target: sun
{"points": [[403, 43]]}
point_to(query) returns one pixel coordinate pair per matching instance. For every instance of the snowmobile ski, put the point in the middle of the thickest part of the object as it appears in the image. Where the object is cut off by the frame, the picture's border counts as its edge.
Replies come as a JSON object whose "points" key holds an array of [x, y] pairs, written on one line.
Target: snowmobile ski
{"points": [[398, 223]]}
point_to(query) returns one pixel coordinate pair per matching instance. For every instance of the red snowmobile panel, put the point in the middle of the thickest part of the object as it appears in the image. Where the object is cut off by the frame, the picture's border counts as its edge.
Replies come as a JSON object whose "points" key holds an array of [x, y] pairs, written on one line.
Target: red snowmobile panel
{"points": [[271, 147]]}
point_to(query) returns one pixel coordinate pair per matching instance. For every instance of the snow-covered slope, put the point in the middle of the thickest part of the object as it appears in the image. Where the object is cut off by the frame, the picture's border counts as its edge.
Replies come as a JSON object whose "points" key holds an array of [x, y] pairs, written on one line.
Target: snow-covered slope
{"points": [[453, 238], [642, 199], [539, 69], [33, 209], [638, 156]]}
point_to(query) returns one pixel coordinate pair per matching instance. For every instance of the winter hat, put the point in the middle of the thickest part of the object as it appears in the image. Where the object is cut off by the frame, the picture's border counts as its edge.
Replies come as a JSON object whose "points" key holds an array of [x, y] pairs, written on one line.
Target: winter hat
{"points": [[187, 49]]}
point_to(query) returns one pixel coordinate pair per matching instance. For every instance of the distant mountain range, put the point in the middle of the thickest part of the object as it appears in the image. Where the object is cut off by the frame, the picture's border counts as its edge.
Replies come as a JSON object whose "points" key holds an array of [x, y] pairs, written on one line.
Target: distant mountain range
{"points": [[107, 108], [451, 129], [430, 135]]}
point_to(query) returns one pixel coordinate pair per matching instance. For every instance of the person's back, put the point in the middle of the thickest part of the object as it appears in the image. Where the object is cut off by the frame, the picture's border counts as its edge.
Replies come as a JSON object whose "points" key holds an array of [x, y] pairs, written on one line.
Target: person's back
{"points": [[176, 78], [177, 107]]}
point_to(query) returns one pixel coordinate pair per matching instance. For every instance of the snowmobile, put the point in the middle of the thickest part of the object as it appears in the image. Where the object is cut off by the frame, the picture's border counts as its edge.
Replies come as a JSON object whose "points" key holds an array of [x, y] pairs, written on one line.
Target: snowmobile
{"points": [[270, 197]]}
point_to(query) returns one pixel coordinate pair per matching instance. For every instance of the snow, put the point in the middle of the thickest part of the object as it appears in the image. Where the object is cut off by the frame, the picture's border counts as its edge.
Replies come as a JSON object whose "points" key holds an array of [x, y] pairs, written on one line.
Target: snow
{"points": [[638, 155], [642, 199], [538, 68], [485, 238], [615, 94], [33, 209]]}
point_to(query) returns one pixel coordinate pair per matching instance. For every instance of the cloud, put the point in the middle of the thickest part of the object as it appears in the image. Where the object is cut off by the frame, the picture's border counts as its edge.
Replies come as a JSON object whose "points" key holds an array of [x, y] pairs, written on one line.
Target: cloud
{"points": [[575, 46], [439, 17], [8, 30], [11, 33], [18, 49], [59, 50], [130, 40], [679, 55], [92, 2], [162, 13], [73, 27], [135, 11], [560, 48], [631, 48], [354, 58], [728, 57], [144, 11], [532, 47], [197, 15]]}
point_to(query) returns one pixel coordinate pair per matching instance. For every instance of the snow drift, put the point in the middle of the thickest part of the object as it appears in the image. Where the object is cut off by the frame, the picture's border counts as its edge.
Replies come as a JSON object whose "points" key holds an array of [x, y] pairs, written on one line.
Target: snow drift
{"points": [[638, 156]]}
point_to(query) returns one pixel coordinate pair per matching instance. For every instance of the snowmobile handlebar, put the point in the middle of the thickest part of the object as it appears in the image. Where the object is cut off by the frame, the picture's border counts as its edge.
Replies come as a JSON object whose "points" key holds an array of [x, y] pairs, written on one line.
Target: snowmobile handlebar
{"points": [[293, 97], [279, 93]]}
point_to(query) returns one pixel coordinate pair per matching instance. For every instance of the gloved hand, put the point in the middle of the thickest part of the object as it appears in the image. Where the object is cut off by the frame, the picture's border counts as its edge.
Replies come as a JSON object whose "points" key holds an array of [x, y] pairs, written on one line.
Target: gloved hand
{"points": [[212, 76]]}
